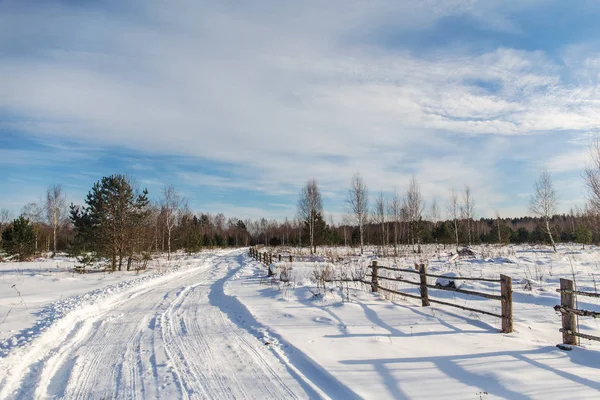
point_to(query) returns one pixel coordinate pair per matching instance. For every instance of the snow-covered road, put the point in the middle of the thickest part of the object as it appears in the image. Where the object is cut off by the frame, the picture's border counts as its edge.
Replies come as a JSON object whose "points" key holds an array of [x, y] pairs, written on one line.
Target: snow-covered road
{"points": [[168, 338]]}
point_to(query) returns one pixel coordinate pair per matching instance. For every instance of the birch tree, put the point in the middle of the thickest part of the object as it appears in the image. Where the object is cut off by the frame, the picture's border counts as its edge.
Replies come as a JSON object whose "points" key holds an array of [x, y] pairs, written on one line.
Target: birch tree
{"points": [[395, 211], [435, 217], [498, 226], [35, 214], [454, 214], [414, 206], [310, 206], [467, 210], [543, 202], [592, 177], [358, 205], [380, 207], [171, 206], [56, 211]]}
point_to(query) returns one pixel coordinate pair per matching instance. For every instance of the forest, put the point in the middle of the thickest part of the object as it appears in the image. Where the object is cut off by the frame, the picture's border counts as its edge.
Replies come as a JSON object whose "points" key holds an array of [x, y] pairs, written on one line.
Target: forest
{"points": [[118, 221]]}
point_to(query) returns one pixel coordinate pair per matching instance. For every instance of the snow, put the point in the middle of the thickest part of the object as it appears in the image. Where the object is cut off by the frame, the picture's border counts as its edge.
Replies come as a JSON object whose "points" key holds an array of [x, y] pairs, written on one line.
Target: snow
{"points": [[212, 325], [35, 294], [378, 347], [447, 280], [173, 335]]}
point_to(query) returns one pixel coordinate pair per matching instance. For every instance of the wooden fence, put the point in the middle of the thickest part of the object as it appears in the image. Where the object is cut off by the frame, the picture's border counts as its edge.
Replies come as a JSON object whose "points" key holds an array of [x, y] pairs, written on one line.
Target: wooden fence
{"points": [[505, 288], [505, 285], [267, 258], [569, 311]]}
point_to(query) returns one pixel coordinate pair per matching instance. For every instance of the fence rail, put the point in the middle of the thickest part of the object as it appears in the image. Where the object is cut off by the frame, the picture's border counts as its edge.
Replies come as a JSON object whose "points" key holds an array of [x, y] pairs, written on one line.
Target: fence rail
{"points": [[505, 285], [568, 309], [505, 288]]}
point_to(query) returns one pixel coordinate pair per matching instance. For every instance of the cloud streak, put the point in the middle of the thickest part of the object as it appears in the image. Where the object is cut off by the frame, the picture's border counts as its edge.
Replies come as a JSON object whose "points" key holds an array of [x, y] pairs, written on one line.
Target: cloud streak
{"points": [[284, 92]]}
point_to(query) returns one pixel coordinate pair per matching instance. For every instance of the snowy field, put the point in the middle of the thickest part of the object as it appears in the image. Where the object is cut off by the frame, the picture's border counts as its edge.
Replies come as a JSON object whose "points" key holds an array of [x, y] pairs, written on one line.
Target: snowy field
{"points": [[34, 294], [212, 325], [379, 346]]}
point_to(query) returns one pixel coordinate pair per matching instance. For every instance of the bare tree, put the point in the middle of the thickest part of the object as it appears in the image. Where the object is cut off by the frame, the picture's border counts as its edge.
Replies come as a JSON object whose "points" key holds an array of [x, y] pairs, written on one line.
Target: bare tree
{"points": [[414, 205], [358, 205], [498, 224], [454, 214], [468, 210], [543, 202], [435, 217], [345, 222], [171, 204], [56, 210], [395, 211], [592, 176], [34, 213], [310, 205], [380, 207]]}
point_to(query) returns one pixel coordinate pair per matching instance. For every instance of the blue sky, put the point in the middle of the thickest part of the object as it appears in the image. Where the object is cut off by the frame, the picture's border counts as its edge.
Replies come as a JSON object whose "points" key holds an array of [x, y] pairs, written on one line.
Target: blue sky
{"points": [[238, 105]]}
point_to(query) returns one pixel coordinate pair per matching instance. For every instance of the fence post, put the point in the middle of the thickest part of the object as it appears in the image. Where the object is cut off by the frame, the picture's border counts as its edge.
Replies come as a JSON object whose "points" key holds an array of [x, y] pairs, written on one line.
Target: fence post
{"points": [[269, 271], [507, 311], [424, 289], [569, 321], [374, 277], [291, 258], [260, 257], [279, 257]]}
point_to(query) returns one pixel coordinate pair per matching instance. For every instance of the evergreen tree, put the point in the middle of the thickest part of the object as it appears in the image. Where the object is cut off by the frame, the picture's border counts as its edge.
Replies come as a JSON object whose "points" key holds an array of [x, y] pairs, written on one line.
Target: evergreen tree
{"points": [[115, 210], [83, 241], [19, 238], [583, 235]]}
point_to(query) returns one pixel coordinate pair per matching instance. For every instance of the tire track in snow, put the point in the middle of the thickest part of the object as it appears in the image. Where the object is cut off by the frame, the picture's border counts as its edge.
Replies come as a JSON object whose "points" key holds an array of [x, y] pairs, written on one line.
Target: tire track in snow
{"points": [[221, 348], [161, 340]]}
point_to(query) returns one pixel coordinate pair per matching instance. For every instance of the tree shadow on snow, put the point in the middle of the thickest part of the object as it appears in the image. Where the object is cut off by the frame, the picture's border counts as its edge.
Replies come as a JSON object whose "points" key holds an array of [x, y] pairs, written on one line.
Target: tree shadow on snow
{"points": [[237, 312], [451, 366]]}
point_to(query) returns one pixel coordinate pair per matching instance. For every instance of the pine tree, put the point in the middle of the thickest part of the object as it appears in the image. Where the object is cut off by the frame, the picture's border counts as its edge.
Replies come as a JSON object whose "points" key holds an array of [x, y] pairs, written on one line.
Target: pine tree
{"points": [[19, 238], [583, 235], [115, 212], [84, 229]]}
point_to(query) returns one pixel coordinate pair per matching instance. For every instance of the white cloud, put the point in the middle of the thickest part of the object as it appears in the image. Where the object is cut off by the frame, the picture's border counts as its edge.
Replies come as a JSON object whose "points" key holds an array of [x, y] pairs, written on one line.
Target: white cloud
{"points": [[285, 93]]}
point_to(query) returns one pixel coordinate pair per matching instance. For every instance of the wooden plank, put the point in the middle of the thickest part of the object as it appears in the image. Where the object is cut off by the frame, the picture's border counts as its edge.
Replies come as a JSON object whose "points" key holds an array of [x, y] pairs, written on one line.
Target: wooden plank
{"points": [[582, 313], [435, 301], [411, 271], [423, 286], [507, 309], [465, 308], [461, 278], [569, 321], [581, 335], [579, 293], [450, 289], [395, 291], [374, 276], [398, 280], [469, 292]]}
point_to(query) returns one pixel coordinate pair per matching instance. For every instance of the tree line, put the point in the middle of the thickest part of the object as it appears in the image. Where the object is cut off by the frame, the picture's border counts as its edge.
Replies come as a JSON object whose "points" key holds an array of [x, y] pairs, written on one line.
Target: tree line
{"points": [[119, 222], [406, 220]]}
